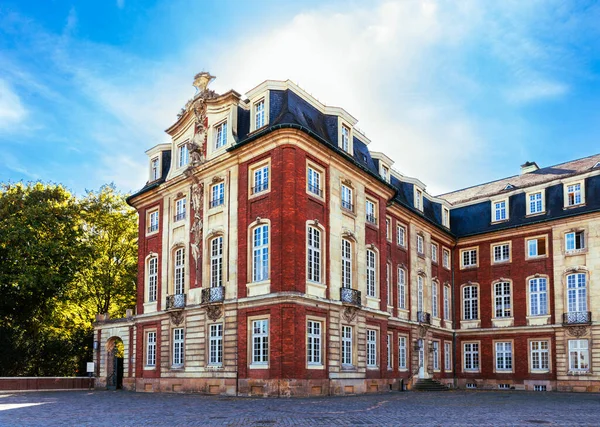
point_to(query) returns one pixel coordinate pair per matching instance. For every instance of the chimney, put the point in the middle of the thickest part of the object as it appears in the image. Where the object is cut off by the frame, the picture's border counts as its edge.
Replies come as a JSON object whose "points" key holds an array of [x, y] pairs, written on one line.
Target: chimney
{"points": [[529, 167]]}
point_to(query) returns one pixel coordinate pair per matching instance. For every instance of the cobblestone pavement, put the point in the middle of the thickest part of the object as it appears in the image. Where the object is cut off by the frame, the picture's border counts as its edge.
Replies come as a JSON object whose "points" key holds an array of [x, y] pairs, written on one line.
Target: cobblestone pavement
{"points": [[453, 408]]}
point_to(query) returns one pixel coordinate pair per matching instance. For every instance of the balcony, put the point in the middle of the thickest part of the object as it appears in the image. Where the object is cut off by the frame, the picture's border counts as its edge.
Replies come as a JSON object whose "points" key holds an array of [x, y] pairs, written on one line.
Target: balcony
{"points": [[214, 294], [350, 296], [217, 202], [577, 318], [371, 219], [315, 190], [424, 317], [180, 216], [259, 188], [176, 301], [347, 205]]}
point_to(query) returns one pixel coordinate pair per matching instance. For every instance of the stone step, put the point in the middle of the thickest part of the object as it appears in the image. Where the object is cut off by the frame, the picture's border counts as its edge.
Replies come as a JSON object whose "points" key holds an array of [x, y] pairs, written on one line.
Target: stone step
{"points": [[429, 385]]}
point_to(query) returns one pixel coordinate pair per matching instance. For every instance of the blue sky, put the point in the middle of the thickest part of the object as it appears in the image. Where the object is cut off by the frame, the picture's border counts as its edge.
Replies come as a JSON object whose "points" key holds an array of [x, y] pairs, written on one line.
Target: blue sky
{"points": [[457, 93]]}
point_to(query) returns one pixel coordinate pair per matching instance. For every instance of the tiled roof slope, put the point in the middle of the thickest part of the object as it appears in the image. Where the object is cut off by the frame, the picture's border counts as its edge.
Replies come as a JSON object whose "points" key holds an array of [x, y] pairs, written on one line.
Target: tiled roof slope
{"points": [[540, 176]]}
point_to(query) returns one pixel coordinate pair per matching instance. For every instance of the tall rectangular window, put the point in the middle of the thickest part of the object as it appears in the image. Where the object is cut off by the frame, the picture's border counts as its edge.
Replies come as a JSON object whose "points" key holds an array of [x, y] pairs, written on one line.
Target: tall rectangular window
{"points": [[180, 208], [401, 288], [178, 344], [419, 293], [500, 213], [346, 263], [179, 271], [470, 303], [388, 229], [389, 352], [436, 355], [535, 203], [447, 357], [538, 296], [401, 235], [469, 258], [579, 356], [371, 348], [216, 345], [154, 171], [314, 182], [313, 253], [217, 194], [152, 278], [434, 252], [370, 209], [575, 241], [434, 299], [261, 179], [502, 299], [313, 342], [347, 198], [536, 247], [259, 114], [501, 252], [388, 283], [402, 352], [576, 293], [540, 356], [151, 349], [260, 253], [471, 356], [420, 247], [260, 342], [183, 155], [445, 217], [153, 220], [504, 356], [446, 259], [216, 262], [573, 194], [346, 139], [447, 302], [418, 199], [220, 135], [346, 345], [371, 274]]}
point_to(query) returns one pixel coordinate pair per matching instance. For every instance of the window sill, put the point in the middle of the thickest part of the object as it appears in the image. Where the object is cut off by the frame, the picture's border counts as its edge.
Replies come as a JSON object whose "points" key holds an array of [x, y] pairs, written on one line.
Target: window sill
{"points": [[372, 225], [580, 205], [349, 368], [469, 267], [152, 233], [531, 215], [260, 194], [576, 252], [535, 258], [577, 373], [259, 366], [316, 367], [316, 196], [508, 261], [215, 367], [372, 368], [177, 368], [149, 368], [541, 371], [214, 209], [401, 247], [500, 221], [258, 288], [503, 322], [348, 212]]}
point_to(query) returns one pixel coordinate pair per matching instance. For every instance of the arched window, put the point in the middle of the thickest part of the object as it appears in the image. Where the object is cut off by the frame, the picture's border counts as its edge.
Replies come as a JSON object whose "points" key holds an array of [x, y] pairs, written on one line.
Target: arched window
{"points": [[260, 253], [313, 254], [216, 261], [179, 271]]}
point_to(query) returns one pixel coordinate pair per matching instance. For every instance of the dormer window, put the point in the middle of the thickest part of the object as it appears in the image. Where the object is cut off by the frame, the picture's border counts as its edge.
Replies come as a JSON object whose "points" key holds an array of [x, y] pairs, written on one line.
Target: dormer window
{"points": [[500, 210], [445, 217], [183, 155], [154, 169], [574, 194], [385, 173], [346, 138], [259, 114], [418, 199], [220, 135]]}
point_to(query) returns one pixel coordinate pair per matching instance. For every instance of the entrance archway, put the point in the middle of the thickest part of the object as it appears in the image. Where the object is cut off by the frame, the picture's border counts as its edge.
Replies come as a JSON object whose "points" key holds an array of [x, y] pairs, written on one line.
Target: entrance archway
{"points": [[114, 363]]}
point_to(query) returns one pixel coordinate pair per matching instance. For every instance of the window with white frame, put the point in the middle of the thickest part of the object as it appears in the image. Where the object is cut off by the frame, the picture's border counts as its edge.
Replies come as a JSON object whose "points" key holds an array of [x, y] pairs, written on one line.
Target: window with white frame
{"points": [[313, 342], [419, 293], [436, 355], [220, 135], [346, 263], [388, 229], [260, 253], [347, 345], [179, 271], [579, 356], [538, 296], [574, 195], [401, 288], [445, 217], [540, 356], [469, 258], [216, 262], [388, 282], [434, 252], [447, 357], [151, 349], [420, 244], [178, 345], [575, 241], [153, 221], [504, 356], [446, 302], [183, 155], [402, 352], [152, 278], [576, 293], [313, 253], [260, 342], [434, 299], [371, 348], [180, 209], [385, 173], [446, 258], [370, 210], [535, 203], [418, 199], [499, 210], [347, 198], [501, 252], [502, 299], [389, 352], [371, 274], [470, 302], [471, 356], [215, 345], [401, 235], [346, 138], [536, 247], [314, 182], [217, 194], [259, 114], [154, 169], [260, 179]]}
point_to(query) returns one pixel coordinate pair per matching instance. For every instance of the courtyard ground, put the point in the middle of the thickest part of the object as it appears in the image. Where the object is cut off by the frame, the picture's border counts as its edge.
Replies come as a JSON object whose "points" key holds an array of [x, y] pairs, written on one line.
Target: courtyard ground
{"points": [[453, 408]]}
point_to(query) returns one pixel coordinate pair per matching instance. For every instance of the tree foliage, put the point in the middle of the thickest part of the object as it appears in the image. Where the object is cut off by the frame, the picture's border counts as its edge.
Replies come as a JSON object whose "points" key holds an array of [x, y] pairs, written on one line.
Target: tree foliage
{"points": [[62, 260]]}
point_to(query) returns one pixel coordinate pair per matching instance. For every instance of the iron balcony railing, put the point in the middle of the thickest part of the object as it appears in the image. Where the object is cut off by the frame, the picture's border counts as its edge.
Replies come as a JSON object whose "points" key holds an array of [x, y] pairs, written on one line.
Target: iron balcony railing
{"points": [[258, 188], [371, 219], [176, 301], [577, 317], [424, 317], [347, 205], [153, 228], [350, 296], [179, 216], [216, 202], [214, 294], [315, 190]]}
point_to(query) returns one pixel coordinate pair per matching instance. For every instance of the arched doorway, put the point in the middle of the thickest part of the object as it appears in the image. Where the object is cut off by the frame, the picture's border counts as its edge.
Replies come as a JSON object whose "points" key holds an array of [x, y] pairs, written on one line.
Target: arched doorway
{"points": [[114, 363]]}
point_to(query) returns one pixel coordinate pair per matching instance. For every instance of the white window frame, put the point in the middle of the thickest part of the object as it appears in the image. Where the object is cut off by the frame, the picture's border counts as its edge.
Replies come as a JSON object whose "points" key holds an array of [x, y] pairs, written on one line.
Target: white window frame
{"points": [[470, 300], [579, 355], [217, 194], [153, 220], [151, 348], [401, 288], [178, 347], [436, 355], [313, 254], [372, 348], [447, 356], [402, 352], [572, 241], [371, 273], [388, 229], [260, 342], [540, 355], [314, 342], [259, 114], [260, 179], [538, 296], [371, 212], [346, 259], [260, 252], [180, 209], [533, 247], [179, 271], [183, 155], [313, 182], [154, 168], [535, 202], [576, 293], [347, 198], [577, 189], [445, 217], [418, 201], [446, 258], [469, 258], [215, 344], [390, 364], [503, 355], [446, 302], [346, 138], [434, 252], [420, 306], [501, 252], [401, 235], [435, 299], [216, 262], [152, 278], [347, 345], [471, 360], [500, 210], [502, 300], [220, 135], [420, 245]]}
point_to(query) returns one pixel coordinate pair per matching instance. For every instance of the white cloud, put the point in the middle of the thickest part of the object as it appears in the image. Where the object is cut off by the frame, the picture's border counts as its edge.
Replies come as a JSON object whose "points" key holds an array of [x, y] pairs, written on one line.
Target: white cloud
{"points": [[535, 91], [12, 111]]}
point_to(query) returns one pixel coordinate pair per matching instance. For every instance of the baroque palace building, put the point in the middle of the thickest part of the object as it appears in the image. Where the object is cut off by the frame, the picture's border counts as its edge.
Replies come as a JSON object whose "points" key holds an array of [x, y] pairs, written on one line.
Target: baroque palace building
{"points": [[278, 255]]}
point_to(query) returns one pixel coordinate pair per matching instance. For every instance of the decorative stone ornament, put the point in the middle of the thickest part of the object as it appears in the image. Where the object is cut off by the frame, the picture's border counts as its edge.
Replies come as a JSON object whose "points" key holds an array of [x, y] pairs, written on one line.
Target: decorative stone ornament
{"points": [[177, 317], [350, 314], [214, 312], [577, 331]]}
